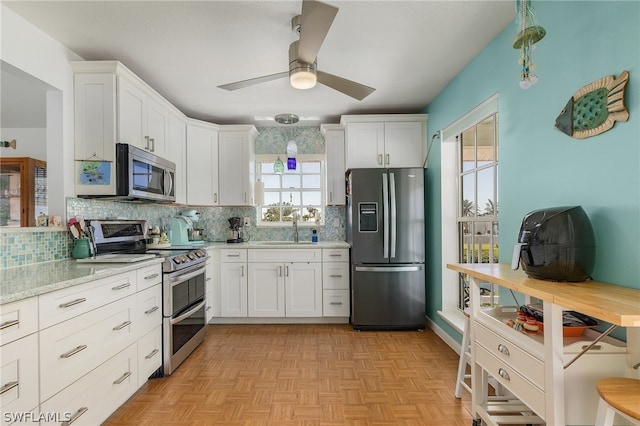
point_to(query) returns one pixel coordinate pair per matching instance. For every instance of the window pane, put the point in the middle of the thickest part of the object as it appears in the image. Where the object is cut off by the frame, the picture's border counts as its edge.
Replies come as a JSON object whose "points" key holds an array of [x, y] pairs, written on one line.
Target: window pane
{"points": [[271, 198], [271, 214], [271, 181], [485, 137], [291, 197], [311, 214], [267, 167], [291, 181], [311, 181], [468, 195], [485, 192], [468, 150], [311, 167], [311, 198]]}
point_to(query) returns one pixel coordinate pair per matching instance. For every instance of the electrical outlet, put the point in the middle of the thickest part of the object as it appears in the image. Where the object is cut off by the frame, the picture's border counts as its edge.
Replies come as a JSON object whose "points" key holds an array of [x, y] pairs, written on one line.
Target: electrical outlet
{"points": [[247, 221]]}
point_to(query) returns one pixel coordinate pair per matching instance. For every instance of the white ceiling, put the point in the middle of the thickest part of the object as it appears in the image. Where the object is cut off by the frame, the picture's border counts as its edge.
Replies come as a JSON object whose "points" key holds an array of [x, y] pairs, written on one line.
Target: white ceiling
{"points": [[407, 50]]}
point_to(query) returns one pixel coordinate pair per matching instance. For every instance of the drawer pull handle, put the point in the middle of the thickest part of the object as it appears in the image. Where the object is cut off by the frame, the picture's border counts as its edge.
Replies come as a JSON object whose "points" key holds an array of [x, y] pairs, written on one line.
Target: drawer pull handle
{"points": [[335, 255], [335, 303], [504, 374], [122, 379], [121, 326], [121, 286], [594, 347], [8, 387], [152, 354], [72, 352], [152, 276], [9, 324], [502, 348], [152, 310], [75, 416], [208, 279], [233, 255], [73, 302], [335, 276]]}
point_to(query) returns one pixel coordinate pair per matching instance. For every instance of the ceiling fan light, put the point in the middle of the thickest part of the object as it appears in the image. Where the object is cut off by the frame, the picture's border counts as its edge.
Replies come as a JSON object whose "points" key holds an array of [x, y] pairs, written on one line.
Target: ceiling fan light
{"points": [[303, 79]]}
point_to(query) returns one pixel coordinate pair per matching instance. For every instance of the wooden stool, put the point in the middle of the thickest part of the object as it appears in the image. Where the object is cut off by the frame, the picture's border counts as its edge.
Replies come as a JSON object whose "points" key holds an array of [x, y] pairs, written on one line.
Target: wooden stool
{"points": [[618, 396], [465, 358]]}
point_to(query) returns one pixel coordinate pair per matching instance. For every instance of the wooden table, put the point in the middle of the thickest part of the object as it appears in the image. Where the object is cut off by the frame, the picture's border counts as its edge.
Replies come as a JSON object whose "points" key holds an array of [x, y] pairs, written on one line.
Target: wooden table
{"points": [[617, 305]]}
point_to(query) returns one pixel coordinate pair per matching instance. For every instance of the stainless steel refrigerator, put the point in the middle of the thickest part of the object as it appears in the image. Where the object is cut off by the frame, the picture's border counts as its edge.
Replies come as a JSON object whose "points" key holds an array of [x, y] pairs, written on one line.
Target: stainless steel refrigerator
{"points": [[385, 227]]}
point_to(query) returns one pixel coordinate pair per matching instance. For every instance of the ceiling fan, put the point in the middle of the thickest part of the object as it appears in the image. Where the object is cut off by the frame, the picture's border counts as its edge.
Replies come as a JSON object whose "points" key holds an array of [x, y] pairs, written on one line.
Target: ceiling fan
{"points": [[312, 26]]}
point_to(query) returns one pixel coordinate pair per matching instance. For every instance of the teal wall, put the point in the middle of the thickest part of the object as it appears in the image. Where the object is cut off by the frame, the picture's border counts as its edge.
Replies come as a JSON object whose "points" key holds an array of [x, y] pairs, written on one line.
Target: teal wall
{"points": [[539, 165]]}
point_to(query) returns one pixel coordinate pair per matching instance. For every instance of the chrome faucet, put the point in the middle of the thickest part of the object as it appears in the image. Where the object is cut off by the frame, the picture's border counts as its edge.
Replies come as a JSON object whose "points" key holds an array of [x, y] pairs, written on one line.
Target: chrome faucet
{"points": [[295, 227]]}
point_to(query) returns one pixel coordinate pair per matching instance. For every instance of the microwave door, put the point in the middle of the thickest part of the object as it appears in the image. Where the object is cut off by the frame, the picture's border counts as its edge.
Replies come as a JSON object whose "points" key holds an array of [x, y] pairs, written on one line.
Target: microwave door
{"points": [[168, 183]]}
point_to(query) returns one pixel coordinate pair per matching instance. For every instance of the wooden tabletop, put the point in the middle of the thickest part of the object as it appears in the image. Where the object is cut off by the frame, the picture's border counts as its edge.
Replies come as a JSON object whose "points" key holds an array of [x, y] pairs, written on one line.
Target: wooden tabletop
{"points": [[611, 303]]}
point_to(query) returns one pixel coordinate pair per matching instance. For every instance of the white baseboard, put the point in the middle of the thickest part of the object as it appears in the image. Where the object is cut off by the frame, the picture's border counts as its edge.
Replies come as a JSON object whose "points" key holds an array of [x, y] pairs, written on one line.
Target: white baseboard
{"points": [[452, 343]]}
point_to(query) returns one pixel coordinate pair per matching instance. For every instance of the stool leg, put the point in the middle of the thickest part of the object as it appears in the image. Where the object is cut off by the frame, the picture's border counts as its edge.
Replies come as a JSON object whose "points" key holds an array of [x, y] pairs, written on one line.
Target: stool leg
{"points": [[605, 414], [462, 364]]}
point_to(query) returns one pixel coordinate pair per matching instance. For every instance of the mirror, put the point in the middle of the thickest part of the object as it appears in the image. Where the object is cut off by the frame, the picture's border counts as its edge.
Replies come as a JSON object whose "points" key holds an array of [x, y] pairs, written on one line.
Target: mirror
{"points": [[23, 118]]}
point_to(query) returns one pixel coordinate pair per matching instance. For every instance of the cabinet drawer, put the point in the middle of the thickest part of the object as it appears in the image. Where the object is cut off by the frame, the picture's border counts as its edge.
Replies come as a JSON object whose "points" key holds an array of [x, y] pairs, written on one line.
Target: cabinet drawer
{"points": [[98, 394], [335, 276], [233, 255], [335, 255], [19, 376], [148, 310], [149, 276], [285, 255], [77, 346], [67, 303], [335, 303], [18, 319], [507, 352], [528, 393], [149, 354]]}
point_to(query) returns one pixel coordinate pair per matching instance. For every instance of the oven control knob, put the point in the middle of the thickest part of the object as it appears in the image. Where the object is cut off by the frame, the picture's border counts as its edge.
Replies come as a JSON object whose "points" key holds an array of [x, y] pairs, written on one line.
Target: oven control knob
{"points": [[177, 260], [191, 256], [183, 258]]}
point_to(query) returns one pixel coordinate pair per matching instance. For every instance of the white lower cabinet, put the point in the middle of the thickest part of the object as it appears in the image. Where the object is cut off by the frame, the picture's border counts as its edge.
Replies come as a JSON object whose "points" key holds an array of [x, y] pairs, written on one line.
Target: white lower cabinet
{"points": [[92, 398], [303, 289], [212, 285], [233, 283], [266, 290], [149, 354], [74, 347], [18, 378], [335, 283]]}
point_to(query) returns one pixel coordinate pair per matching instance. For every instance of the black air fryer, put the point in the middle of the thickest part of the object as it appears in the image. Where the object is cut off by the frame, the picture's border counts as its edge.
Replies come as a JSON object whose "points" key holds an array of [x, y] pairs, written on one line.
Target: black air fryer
{"points": [[556, 244]]}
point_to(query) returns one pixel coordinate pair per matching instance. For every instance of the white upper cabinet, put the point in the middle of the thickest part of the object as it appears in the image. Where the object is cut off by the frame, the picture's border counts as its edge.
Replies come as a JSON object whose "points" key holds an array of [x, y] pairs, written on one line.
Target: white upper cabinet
{"points": [[202, 164], [384, 140], [236, 147], [335, 164], [177, 152]]}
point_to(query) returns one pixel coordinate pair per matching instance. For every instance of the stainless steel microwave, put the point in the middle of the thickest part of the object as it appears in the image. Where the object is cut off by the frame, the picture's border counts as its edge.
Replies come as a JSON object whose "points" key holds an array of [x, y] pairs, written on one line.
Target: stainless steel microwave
{"points": [[144, 176]]}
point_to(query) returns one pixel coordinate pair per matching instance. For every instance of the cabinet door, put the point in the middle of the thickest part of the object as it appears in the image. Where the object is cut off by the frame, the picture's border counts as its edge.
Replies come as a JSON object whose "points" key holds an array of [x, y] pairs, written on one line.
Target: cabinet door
{"points": [[233, 289], [303, 289], [19, 375], [334, 143], [157, 128], [177, 152], [266, 290], [365, 145], [202, 166], [233, 150], [403, 142], [132, 114]]}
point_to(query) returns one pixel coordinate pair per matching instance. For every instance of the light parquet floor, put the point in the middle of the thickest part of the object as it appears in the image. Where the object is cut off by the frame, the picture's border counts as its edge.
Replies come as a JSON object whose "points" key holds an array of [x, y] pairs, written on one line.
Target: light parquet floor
{"points": [[305, 375]]}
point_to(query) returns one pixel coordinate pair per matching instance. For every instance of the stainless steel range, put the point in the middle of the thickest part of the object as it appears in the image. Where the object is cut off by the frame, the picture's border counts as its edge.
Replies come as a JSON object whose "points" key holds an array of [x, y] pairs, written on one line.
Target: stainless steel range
{"points": [[183, 285]]}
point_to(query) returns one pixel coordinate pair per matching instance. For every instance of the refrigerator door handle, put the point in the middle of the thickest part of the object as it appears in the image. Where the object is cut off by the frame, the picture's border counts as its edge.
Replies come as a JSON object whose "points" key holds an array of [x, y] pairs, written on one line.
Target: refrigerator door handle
{"points": [[385, 214], [388, 268], [394, 216]]}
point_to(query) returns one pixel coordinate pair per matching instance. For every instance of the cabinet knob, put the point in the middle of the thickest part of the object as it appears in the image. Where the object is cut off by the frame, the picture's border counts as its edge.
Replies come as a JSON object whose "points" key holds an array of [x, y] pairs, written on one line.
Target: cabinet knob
{"points": [[504, 374], [502, 348]]}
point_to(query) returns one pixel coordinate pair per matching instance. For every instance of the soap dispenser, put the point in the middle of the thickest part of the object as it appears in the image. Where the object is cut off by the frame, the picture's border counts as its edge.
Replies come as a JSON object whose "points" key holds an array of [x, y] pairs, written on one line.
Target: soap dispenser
{"points": [[314, 236]]}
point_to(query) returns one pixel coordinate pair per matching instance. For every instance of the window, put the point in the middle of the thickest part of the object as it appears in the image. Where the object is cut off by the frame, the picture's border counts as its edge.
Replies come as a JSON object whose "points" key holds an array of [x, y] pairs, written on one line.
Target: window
{"points": [[469, 188], [300, 191], [478, 203]]}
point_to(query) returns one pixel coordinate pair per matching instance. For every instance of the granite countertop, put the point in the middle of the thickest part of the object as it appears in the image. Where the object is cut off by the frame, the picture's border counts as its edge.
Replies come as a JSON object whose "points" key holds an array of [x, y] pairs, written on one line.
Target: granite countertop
{"points": [[22, 282], [26, 281]]}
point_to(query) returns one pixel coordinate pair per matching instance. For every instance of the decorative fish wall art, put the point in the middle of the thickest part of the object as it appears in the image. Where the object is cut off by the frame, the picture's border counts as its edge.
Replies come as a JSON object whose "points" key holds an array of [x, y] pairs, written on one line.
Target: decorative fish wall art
{"points": [[8, 144], [595, 108]]}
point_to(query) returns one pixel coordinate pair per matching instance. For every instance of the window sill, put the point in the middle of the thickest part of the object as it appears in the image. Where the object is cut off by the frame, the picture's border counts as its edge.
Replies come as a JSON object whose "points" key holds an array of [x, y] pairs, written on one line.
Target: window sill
{"points": [[455, 318]]}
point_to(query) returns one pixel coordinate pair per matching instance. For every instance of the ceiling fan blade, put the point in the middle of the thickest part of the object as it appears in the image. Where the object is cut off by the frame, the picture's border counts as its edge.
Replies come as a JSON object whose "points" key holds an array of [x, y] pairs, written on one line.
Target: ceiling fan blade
{"points": [[315, 21], [250, 82], [348, 87]]}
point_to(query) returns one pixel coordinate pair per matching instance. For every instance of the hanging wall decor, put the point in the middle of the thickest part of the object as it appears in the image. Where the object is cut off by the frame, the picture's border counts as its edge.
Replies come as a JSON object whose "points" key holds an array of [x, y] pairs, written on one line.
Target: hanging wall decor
{"points": [[595, 108], [528, 35]]}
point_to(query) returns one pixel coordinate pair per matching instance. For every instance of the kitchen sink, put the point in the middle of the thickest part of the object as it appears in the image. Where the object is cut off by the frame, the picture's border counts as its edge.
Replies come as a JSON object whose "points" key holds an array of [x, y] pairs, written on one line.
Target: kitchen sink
{"points": [[282, 243]]}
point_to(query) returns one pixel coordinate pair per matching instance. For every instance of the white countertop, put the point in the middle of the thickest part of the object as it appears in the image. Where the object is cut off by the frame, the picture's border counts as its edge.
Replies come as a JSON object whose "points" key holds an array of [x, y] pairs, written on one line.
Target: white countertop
{"points": [[21, 282]]}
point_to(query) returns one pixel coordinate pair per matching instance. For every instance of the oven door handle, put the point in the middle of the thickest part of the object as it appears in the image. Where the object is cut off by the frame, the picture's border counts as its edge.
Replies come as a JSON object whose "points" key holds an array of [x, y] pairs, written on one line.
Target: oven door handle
{"points": [[187, 314], [187, 276]]}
